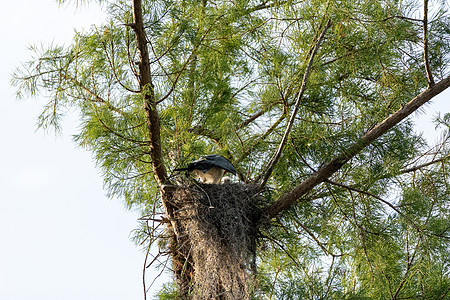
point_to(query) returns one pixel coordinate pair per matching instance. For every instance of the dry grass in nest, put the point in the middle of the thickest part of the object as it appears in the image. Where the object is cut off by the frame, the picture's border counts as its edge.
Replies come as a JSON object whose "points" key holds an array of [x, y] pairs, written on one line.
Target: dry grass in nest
{"points": [[219, 223]]}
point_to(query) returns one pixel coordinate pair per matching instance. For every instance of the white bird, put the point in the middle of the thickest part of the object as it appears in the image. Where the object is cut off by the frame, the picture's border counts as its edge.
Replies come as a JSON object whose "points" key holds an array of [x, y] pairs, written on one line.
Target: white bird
{"points": [[210, 168]]}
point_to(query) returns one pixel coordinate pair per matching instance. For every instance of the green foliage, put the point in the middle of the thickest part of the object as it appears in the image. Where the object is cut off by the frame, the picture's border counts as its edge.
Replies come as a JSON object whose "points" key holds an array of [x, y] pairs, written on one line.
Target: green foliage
{"points": [[225, 77], [168, 292]]}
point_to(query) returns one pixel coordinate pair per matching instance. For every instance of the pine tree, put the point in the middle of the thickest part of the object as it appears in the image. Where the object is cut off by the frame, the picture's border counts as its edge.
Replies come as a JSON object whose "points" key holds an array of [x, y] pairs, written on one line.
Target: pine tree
{"points": [[310, 100]]}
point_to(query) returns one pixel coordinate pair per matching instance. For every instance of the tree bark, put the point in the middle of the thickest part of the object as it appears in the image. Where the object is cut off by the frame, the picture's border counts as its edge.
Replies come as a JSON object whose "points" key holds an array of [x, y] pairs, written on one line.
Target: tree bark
{"points": [[154, 132], [334, 165], [147, 90]]}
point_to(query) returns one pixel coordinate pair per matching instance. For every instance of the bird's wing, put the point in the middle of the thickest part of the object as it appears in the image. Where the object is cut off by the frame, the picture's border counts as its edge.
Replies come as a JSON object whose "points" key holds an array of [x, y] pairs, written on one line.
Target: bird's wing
{"points": [[200, 164], [220, 162]]}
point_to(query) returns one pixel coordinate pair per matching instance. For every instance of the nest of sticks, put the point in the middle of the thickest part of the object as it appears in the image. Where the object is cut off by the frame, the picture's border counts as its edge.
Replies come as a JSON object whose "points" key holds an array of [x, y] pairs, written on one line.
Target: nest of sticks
{"points": [[217, 237]]}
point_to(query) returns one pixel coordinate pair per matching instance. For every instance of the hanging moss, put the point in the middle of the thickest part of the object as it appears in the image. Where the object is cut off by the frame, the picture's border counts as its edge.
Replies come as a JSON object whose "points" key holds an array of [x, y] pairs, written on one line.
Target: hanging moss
{"points": [[217, 230]]}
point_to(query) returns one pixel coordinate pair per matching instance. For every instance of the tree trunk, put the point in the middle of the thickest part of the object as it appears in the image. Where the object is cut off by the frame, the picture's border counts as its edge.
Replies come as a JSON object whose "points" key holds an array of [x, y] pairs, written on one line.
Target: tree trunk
{"points": [[182, 269], [148, 94]]}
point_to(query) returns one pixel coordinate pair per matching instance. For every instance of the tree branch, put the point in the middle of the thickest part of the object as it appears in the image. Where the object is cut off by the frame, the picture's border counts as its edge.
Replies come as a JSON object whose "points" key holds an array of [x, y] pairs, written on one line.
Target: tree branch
{"points": [[418, 167], [378, 198], [283, 248], [334, 165], [273, 161], [95, 95], [261, 138], [147, 90], [265, 5], [425, 44]]}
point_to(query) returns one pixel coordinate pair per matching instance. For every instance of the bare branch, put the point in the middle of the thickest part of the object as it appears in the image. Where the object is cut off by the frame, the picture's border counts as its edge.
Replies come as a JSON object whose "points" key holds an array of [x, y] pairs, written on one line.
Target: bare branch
{"points": [[273, 161], [144, 269]]}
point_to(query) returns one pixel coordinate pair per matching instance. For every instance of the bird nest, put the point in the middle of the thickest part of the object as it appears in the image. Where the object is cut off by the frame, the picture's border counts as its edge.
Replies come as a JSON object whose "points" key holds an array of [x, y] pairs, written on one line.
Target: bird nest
{"points": [[217, 234]]}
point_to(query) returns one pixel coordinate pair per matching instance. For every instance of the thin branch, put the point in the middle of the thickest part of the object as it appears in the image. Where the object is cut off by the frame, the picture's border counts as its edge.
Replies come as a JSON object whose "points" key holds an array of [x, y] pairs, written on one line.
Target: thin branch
{"points": [[130, 177], [284, 250], [387, 19], [112, 63], [155, 258], [149, 218], [174, 83], [261, 138], [130, 56], [425, 44], [445, 293], [416, 168], [325, 250], [408, 270], [378, 198], [116, 133], [257, 115], [144, 269], [273, 161], [96, 97], [382, 176], [265, 5], [159, 275]]}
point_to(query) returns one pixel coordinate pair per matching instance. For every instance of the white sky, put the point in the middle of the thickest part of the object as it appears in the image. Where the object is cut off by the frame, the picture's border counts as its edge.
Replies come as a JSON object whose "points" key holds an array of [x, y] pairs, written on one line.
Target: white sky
{"points": [[60, 237]]}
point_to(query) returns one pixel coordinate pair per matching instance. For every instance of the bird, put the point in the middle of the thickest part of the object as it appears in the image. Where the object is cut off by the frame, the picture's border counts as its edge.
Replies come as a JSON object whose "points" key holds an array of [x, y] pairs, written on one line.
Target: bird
{"points": [[209, 168]]}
